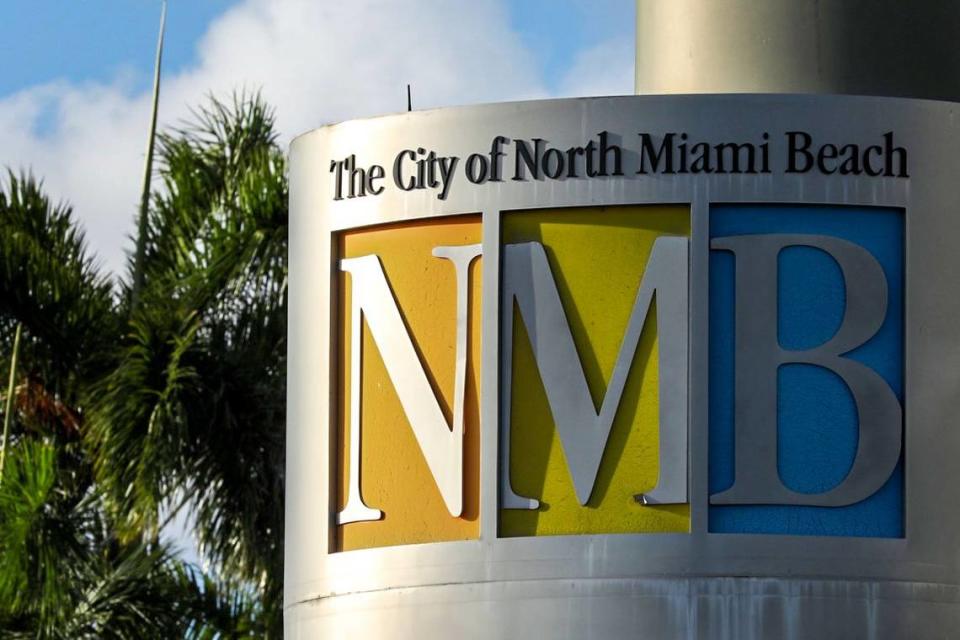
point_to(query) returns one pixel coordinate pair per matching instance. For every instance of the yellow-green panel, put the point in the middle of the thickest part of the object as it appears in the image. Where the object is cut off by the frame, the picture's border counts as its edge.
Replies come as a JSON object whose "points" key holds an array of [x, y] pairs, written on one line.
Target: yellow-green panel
{"points": [[597, 256]]}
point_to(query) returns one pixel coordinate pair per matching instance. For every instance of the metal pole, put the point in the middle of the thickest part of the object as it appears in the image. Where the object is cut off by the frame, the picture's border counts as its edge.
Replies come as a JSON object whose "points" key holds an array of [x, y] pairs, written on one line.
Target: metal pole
{"points": [[8, 409], [140, 255], [861, 47]]}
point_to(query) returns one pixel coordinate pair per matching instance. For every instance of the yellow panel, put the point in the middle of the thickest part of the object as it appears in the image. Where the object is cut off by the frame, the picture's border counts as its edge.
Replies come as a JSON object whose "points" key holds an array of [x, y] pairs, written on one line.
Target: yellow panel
{"points": [[394, 474], [597, 256]]}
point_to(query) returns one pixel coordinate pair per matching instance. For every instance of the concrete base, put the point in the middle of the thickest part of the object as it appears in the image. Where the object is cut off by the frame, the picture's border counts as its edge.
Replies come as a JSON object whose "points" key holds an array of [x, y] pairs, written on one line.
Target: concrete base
{"points": [[714, 608]]}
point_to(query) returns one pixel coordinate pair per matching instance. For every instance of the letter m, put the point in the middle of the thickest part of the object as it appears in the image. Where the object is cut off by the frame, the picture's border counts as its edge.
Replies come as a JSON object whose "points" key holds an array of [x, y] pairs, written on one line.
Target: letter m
{"points": [[440, 443], [583, 430]]}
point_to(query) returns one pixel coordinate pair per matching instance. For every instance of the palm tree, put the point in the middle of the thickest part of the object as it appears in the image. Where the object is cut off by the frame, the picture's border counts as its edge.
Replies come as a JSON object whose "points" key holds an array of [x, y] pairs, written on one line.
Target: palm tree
{"points": [[193, 410], [118, 409], [62, 572], [63, 575]]}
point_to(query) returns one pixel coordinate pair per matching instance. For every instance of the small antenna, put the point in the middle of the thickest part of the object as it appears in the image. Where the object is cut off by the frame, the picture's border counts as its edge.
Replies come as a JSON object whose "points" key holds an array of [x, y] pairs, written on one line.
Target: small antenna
{"points": [[409, 103]]}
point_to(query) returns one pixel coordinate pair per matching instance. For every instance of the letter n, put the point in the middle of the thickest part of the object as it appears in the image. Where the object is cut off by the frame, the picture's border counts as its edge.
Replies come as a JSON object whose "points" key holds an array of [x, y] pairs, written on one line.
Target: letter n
{"points": [[441, 443]]}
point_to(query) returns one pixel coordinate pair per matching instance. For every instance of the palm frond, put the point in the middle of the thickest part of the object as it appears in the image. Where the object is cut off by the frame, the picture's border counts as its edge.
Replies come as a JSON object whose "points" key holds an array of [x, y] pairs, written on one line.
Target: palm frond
{"points": [[195, 405]]}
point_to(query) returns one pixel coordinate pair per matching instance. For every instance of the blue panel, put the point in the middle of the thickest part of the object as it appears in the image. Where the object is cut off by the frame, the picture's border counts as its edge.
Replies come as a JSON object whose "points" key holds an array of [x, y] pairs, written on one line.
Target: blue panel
{"points": [[817, 418]]}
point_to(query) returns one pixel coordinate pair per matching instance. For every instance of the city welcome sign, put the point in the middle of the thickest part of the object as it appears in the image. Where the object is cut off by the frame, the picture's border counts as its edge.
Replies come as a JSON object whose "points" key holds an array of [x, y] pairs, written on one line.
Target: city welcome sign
{"points": [[646, 336], [805, 316]]}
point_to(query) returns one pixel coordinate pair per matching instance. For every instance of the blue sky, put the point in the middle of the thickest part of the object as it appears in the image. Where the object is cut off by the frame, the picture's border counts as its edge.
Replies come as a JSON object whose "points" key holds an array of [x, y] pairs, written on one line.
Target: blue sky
{"points": [[74, 92], [74, 89], [75, 86], [101, 40], [96, 40]]}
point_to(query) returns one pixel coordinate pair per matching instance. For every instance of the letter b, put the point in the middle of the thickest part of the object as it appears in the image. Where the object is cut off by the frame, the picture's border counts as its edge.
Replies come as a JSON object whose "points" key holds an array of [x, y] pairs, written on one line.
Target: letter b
{"points": [[758, 356]]}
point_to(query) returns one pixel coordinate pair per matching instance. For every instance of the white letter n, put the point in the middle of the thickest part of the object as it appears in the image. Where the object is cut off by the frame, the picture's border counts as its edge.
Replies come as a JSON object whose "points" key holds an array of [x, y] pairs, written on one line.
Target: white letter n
{"points": [[441, 443]]}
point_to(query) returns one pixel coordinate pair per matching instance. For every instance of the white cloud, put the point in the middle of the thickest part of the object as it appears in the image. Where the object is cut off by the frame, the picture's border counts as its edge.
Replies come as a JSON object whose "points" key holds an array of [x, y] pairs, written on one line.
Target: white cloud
{"points": [[89, 153], [316, 62], [605, 69]]}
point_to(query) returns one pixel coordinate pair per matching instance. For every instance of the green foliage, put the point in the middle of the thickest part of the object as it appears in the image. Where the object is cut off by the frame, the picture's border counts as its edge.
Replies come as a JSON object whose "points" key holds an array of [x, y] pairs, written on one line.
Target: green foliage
{"points": [[62, 573], [223, 609], [38, 534], [195, 406], [48, 282], [63, 576], [120, 408]]}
